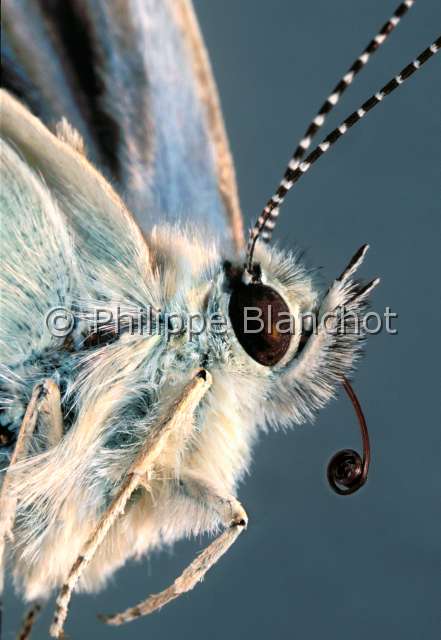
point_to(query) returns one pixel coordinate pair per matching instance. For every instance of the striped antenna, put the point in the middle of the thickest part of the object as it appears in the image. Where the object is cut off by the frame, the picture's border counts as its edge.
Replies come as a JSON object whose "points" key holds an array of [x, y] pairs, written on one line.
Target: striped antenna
{"points": [[291, 176], [264, 230], [346, 80]]}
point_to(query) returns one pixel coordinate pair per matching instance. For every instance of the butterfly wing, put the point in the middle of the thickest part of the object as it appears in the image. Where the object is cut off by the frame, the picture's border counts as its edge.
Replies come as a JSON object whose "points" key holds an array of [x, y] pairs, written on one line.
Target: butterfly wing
{"points": [[134, 79]]}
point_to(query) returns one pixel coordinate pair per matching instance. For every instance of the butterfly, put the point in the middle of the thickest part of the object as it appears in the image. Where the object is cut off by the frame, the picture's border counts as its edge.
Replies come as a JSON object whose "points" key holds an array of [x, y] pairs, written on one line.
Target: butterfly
{"points": [[120, 202]]}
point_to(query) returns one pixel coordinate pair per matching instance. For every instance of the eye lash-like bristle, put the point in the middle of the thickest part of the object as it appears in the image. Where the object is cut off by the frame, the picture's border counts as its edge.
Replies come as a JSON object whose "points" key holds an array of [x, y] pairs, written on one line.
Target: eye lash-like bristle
{"points": [[292, 176], [364, 291], [354, 263]]}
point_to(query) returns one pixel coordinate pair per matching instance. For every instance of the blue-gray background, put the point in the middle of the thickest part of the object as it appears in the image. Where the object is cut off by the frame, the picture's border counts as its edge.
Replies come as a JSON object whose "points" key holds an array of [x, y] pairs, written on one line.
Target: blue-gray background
{"points": [[313, 564]]}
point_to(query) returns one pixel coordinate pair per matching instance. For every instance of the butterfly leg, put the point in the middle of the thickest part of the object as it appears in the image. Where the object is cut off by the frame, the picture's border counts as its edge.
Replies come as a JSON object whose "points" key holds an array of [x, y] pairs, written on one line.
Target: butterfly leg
{"points": [[44, 404], [50, 417], [233, 518], [180, 416], [44, 407], [29, 621]]}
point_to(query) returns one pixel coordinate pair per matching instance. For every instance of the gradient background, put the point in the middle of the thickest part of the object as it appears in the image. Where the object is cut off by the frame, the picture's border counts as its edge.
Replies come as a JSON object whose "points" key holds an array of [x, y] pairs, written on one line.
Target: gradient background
{"points": [[312, 564]]}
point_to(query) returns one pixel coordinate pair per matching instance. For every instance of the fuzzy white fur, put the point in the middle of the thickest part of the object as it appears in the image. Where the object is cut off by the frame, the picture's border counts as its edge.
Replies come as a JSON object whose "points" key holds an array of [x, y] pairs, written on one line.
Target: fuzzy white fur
{"points": [[67, 238]]}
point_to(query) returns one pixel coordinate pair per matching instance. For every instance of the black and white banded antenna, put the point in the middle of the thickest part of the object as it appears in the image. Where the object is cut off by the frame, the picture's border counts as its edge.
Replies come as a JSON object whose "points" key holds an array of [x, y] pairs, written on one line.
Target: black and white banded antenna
{"points": [[292, 176], [346, 80], [331, 101]]}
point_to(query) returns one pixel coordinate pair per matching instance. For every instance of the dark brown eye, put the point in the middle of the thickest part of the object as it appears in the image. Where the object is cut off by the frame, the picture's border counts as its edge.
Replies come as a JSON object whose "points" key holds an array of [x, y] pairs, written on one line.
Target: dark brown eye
{"points": [[261, 321]]}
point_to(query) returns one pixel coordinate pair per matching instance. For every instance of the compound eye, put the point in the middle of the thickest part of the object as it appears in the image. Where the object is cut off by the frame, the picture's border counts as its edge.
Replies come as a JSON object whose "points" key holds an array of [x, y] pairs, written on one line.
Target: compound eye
{"points": [[260, 319]]}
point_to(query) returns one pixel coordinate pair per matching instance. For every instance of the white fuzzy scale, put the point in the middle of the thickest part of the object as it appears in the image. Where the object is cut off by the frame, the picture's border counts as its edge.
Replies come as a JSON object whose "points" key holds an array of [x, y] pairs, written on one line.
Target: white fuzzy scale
{"points": [[65, 224]]}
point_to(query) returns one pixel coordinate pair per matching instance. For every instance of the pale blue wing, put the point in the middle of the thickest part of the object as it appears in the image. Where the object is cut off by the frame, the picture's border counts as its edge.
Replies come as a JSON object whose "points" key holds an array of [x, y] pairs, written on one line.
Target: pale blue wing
{"points": [[133, 78]]}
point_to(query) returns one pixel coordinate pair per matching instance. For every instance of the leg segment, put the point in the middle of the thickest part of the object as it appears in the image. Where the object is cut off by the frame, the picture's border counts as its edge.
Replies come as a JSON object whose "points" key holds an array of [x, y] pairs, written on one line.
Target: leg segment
{"points": [[180, 416], [44, 403], [29, 621], [234, 519], [50, 418]]}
